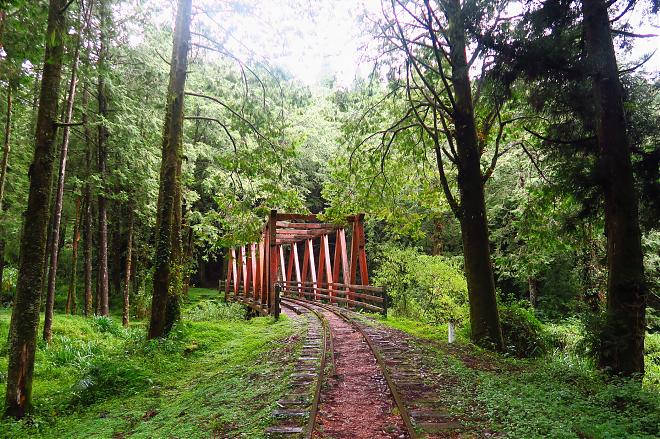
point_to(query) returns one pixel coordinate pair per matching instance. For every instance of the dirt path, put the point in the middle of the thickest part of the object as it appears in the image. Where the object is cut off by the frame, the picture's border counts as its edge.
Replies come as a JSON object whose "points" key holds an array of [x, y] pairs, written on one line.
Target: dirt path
{"points": [[357, 404]]}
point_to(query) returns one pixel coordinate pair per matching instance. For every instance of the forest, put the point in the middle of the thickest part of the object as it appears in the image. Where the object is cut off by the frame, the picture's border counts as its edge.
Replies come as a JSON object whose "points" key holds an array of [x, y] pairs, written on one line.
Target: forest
{"points": [[493, 165]]}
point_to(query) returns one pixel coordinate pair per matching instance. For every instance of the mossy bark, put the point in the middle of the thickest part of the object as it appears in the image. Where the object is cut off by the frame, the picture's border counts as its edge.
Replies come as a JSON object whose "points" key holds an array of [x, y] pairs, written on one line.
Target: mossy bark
{"points": [[165, 309], [25, 315], [102, 307], [622, 339], [127, 277], [59, 199], [87, 213], [484, 319], [6, 150], [71, 300]]}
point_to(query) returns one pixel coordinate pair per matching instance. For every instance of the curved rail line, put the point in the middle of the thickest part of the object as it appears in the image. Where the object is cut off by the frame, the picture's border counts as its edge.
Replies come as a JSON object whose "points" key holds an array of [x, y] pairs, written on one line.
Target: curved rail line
{"points": [[403, 410], [327, 348]]}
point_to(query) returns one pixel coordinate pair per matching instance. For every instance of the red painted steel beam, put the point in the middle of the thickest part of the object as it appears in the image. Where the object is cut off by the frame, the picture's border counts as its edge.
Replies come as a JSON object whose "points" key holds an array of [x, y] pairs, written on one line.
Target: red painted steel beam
{"points": [[272, 260], [253, 266]]}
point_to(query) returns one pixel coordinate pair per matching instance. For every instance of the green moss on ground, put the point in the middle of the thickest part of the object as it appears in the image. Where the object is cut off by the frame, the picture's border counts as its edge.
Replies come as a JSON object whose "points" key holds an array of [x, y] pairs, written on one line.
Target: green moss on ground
{"points": [[217, 375]]}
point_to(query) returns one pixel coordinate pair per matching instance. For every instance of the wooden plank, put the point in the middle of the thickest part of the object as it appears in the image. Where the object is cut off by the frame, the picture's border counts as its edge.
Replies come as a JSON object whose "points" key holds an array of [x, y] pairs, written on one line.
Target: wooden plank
{"points": [[283, 225], [295, 216], [353, 287], [304, 232]]}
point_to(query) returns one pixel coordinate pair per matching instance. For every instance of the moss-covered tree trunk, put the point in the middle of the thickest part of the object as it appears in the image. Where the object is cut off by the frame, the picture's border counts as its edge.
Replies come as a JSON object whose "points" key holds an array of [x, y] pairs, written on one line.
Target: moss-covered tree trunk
{"points": [[102, 292], [71, 300], [59, 199], [127, 277], [25, 314], [622, 339], [87, 212], [167, 273], [6, 150], [484, 319]]}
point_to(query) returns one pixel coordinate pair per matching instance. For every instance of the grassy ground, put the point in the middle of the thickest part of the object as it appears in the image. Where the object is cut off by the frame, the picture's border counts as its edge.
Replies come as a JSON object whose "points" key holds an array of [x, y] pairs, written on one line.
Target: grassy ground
{"points": [[559, 395], [218, 375]]}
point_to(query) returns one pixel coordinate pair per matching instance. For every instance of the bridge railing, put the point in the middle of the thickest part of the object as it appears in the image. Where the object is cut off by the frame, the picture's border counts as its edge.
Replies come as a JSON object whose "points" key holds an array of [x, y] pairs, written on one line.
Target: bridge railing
{"points": [[366, 297]]}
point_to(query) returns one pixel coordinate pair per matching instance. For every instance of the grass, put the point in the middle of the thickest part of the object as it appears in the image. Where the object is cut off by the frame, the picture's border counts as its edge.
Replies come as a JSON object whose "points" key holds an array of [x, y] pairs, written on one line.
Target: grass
{"points": [[217, 375], [560, 395]]}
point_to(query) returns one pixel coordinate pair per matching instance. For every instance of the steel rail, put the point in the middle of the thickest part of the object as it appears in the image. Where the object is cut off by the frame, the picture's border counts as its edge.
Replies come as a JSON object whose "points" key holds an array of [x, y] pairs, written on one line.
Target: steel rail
{"points": [[403, 411], [327, 346]]}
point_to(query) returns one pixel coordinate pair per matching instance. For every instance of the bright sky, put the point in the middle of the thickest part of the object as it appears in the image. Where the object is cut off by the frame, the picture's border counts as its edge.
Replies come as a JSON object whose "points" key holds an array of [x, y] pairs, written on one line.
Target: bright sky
{"points": [[318, 39], [312, 39]]}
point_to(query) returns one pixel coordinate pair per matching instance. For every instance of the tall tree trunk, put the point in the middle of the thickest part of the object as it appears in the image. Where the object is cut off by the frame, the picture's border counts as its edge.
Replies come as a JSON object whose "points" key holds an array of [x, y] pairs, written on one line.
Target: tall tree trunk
{"points": [[164, 306], [3, 178], [127, 278], [484, 319], [622, 339], [87, 211], [71, 302], [102, 285], [59, 199], [25, 314], [533, 285], [115, 257], [7, 147], [187, 259]]}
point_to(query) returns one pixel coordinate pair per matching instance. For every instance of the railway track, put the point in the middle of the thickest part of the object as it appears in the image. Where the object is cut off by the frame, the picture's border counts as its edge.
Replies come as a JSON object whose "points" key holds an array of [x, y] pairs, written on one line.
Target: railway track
{"points": [[297, 412], [411, 383], [313, 311]]}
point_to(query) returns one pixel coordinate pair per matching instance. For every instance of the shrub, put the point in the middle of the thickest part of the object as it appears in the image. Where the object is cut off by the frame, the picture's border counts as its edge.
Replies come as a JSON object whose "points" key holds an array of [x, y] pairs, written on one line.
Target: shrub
{"points": [[107, 324], [110, 377], [210, 310], [524, 335], [9, 277], [425, 287]]}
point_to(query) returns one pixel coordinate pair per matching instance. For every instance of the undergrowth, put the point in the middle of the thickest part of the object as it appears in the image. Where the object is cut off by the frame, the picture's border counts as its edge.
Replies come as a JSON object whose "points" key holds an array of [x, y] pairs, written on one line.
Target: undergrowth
{"points": [[216, 375], [557, 395]]}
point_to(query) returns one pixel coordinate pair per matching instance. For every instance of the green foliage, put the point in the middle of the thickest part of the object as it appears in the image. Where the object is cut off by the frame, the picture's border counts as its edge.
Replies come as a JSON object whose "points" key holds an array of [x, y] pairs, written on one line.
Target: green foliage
{"points": [[652, 360], [430, 288], [212, 311], [524, 335], [209, 377], [107, 324], [558, 395], [110, 378]]}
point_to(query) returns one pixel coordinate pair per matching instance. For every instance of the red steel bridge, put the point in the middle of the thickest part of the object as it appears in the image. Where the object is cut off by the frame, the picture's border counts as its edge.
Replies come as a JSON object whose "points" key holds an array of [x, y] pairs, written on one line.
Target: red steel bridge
{"points": [[331, 271]]}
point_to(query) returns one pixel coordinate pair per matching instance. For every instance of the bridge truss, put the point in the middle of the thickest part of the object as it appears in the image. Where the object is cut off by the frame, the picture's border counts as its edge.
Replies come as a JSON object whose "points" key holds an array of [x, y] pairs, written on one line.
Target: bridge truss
{"points": [[258, 273]]}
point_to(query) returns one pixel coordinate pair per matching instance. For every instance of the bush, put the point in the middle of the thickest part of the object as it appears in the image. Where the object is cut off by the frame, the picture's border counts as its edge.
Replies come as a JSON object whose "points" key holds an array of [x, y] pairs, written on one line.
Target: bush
{"points": [[106, 324], [9, 277], [524, 335], [210, 310], [110, 377], [424, 287]]}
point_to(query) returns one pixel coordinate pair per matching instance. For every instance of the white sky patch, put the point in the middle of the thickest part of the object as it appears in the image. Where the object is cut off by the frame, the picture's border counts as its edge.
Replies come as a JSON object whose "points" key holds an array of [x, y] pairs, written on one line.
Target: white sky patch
{"points": [[316, 40]]}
